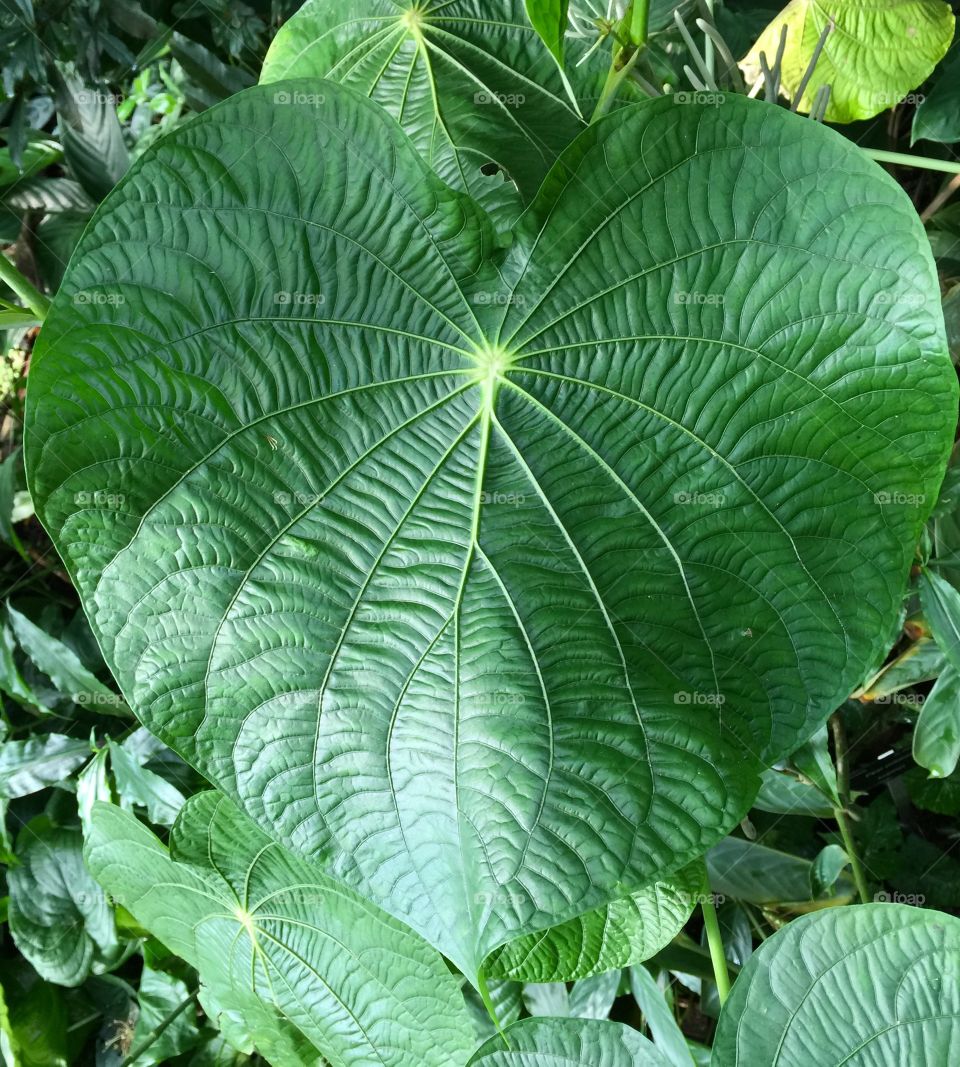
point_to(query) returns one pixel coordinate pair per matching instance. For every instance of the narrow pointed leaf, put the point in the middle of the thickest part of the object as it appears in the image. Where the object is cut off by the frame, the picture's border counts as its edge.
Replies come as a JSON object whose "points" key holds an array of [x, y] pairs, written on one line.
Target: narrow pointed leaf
{"points": [[499, 605], [872, 984]]}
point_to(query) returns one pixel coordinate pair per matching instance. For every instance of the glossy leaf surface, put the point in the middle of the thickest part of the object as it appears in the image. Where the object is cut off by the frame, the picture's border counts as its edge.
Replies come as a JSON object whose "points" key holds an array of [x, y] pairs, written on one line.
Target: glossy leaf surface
{"points": [[262, 925], [870, 985], [492, 578]]}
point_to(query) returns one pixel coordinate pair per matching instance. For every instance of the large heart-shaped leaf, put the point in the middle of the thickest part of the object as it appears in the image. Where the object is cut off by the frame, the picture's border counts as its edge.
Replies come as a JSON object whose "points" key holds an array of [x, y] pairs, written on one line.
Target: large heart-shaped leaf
{"points": [[470, 81], [875, 53], [568, 1043], [258, 922], [870, 985], [492, 577]]}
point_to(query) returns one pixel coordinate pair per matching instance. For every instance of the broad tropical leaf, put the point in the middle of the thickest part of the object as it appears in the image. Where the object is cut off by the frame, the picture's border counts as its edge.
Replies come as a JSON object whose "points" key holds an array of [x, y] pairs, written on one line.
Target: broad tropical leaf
{"points": [[492, 577], [872, 984], [259, 923], [545, 1042], [624, 932], [59, 917], [470, 81], [876, 52]]}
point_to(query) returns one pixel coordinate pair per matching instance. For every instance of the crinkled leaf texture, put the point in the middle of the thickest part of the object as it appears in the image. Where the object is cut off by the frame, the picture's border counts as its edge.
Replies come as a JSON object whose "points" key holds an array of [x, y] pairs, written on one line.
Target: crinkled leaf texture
{"points": [[492, 577], [470, 81], [866, 986], [875, 54], [622, 933], [546, 1042], [262, 925]]}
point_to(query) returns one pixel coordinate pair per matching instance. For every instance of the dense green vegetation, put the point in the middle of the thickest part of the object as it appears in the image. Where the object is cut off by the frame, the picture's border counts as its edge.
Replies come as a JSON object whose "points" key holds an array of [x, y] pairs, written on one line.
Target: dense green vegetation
{"points": [[480, 534]]}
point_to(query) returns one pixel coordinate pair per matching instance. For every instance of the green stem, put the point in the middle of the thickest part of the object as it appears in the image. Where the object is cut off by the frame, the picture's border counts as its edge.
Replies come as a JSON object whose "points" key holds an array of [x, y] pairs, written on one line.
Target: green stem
{"points": [[840, 757], [32, 297], [488, 1002], [639, 18], [157, 1031], [905, 160], [843, 821], [634, 24], [711, 925]]}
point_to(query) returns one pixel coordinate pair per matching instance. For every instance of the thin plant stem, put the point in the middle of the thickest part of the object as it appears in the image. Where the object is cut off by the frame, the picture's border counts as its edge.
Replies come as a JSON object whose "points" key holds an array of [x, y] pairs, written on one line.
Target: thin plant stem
{"points": [[941, 198], [28, 293], [698, 60], [904, 160], [156, 1032], [711, 925], [811, 66], [840, 757]]}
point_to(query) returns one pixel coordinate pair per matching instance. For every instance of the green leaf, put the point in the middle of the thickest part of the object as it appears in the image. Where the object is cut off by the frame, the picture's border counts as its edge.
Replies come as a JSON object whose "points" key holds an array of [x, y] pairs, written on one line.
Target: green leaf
{"points": [[470, 82], [658, 1016], [93, 145], [35, 1031], [783, 793], [464, 595], [12, 681], [139, 786], [568, 1042], [59, 917], [813, 761], [875, 54], [549, 999], [49, 194], [549, 19], [592, 998], [37, 762], [936, 736], [937, 118], [624, 932], [764, 876], [259, 923], [826, 870], [158, 996], [869, 984], [62, 665], [941, 606]]}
